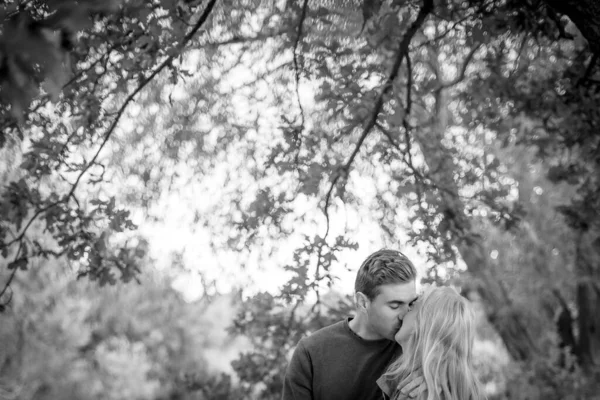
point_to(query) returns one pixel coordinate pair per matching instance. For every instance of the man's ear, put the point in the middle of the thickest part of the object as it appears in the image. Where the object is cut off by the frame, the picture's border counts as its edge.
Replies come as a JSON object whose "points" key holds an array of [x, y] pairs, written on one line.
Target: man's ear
{"points": [[362, 301]]}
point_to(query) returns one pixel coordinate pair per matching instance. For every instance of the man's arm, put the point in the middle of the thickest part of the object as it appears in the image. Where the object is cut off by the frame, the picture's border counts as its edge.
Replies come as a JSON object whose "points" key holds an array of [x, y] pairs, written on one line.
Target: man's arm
{"points": [[297, 384]]}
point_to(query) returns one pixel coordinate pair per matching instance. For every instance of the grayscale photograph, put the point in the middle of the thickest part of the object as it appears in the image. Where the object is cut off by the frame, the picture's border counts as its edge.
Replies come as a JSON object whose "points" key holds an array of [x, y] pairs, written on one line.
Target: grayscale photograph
{"points": [[300, 200]]}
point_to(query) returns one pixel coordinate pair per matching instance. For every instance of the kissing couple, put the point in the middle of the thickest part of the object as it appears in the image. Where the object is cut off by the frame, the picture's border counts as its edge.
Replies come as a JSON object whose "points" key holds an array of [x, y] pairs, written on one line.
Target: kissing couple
{"points": [[398, 346]]}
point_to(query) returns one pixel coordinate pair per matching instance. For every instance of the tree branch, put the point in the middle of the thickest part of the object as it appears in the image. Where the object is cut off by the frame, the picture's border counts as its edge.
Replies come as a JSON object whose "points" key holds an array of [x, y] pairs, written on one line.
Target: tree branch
{"points": [[468, 15], [590, 67], [584, 14], [463, 70], [402, 53], [409, 83], [142, 85], [259, 77], [244, 40], [297, 71], [10, 278], [562, 33], [110, 130]]}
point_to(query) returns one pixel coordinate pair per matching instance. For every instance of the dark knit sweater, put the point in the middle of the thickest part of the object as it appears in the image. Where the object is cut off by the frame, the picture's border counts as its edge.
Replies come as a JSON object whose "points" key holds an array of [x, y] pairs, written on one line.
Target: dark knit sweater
{"points": [[336, 364]]}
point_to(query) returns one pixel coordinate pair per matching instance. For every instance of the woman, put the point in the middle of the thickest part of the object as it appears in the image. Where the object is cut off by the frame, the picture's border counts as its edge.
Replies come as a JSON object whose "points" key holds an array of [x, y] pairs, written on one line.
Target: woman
{"points": [[437, 341]]}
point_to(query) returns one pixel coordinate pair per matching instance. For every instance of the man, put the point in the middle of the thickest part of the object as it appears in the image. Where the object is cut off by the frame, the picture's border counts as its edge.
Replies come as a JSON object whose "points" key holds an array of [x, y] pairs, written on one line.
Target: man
{"points": [[344, 360]]}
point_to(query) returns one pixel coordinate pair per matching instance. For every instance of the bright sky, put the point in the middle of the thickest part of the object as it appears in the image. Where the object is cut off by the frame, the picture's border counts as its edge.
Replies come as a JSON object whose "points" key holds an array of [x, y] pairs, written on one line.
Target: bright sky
{"points": [[179, 233]]}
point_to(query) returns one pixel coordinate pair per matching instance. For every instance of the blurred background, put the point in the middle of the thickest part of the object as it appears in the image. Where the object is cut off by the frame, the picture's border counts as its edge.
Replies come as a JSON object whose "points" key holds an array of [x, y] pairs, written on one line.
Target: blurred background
{"points": [[189, 186]]}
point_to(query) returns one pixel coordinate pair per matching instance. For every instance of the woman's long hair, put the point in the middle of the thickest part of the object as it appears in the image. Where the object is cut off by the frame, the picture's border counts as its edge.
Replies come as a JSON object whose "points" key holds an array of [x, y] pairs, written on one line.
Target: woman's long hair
{"points": [[440, 349]]}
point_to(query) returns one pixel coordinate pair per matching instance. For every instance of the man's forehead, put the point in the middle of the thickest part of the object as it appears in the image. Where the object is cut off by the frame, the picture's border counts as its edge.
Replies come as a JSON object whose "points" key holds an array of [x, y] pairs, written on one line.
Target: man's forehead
{"points": [[405, 292]]}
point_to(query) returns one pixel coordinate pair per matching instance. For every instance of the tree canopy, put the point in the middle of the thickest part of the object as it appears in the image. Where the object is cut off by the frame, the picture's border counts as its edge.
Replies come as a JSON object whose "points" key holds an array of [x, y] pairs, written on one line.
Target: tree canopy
{"points": [[470, 126]]}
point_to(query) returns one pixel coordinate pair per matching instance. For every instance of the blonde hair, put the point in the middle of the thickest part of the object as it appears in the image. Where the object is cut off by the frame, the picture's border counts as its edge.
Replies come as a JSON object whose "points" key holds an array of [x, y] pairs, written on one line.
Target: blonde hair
{"points": [[440, 348]]}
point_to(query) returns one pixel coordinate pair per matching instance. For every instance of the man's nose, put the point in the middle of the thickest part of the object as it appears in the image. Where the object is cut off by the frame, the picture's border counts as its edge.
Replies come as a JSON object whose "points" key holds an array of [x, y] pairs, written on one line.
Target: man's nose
{"points": [[402, 313]]}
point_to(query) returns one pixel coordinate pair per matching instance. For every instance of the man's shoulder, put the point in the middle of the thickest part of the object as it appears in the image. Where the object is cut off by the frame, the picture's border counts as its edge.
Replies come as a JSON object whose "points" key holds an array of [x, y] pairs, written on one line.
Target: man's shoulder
{"points": [[326, 334]]}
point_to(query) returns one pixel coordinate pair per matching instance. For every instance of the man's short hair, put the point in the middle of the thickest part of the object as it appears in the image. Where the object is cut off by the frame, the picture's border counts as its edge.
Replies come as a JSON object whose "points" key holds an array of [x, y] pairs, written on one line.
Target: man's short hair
{"points": [[381, 268]]}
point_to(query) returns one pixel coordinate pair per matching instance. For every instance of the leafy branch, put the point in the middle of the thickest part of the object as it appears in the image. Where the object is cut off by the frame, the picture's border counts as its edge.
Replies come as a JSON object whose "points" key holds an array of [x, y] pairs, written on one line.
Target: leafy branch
{"points": [[402, 53], [167, 62], [461, 76], [247, 39], [297, 74], [472, 13]]}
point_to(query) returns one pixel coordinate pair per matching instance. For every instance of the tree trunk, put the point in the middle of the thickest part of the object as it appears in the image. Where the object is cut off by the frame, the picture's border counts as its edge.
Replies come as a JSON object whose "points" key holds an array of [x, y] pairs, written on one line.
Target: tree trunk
{"points": [[585, 14], [509, 321], [565, 322], [588, 302]]}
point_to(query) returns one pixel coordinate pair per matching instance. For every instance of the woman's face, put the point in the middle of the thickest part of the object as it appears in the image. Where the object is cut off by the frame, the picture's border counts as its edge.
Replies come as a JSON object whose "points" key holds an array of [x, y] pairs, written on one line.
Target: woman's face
{"points": [[409, 325]]}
